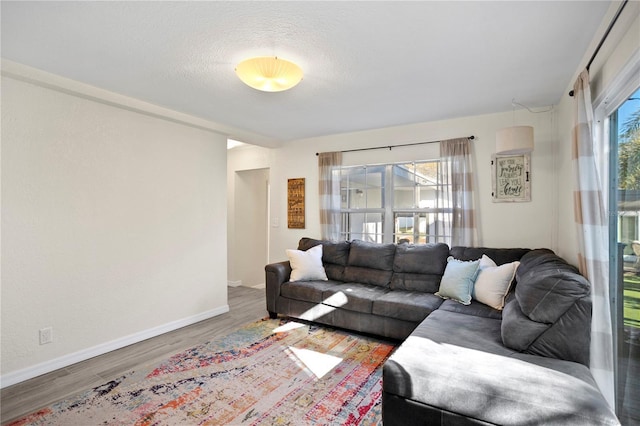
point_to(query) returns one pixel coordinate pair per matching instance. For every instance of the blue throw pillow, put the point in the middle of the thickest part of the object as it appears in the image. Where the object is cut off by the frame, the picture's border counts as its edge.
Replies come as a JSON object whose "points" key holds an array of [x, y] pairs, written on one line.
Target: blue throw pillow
{"points": [[457, 281]]}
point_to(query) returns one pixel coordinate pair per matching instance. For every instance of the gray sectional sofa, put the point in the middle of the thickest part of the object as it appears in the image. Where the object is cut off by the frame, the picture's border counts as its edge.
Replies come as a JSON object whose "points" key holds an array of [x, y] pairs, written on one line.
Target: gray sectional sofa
{"points": [[525, 364]]}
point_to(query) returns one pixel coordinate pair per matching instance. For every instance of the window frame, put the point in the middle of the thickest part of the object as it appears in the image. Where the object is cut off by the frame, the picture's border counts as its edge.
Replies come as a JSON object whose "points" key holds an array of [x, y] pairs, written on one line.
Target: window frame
{"points": [[388, 210], [605, 107]]}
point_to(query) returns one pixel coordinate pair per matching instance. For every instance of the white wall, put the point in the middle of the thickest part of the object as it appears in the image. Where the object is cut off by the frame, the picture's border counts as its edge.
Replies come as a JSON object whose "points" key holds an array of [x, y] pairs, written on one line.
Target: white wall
{"points": [[113, 226], [546, 221], [531, 224]]}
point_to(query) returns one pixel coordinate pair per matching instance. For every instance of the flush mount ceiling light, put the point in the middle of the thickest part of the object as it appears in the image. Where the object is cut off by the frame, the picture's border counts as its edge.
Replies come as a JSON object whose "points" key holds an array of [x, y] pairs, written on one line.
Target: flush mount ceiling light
{"points": [[269, 74]]}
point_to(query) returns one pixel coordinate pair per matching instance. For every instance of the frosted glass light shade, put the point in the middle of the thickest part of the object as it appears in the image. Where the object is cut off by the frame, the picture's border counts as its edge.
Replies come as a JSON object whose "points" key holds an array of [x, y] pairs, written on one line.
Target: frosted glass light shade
{"points": [[514, 140], [269, 74]]}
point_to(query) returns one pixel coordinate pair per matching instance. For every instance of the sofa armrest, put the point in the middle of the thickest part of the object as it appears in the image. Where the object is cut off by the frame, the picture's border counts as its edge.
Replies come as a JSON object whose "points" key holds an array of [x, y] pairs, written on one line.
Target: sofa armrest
{"points": [[276, 274]]}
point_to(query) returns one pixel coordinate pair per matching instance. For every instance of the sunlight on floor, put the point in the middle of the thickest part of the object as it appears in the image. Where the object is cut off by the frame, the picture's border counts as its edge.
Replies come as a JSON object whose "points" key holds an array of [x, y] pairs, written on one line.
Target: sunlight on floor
{"points": [[292, 325], [317, 363]]}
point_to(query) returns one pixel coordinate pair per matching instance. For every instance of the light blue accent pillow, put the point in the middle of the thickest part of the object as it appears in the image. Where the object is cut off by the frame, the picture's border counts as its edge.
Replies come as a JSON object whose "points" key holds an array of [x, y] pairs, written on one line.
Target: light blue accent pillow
{"points": [[457, 281]]}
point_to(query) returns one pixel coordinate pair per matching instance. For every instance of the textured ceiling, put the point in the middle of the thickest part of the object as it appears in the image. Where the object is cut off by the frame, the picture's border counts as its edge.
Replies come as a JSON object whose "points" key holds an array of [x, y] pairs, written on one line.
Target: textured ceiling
{"points": [[366, 64]]}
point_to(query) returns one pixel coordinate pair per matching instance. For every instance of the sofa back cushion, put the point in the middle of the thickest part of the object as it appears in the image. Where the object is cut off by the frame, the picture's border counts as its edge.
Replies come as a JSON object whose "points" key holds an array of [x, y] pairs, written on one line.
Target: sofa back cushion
{"points": [[334, 256], [370, 263], [498, 255], [419, 267], [550, 312]]}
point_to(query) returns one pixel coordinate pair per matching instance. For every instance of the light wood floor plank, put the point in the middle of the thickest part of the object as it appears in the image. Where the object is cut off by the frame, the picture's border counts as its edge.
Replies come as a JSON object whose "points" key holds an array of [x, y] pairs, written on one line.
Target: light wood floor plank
{"points": [[245, 305]]}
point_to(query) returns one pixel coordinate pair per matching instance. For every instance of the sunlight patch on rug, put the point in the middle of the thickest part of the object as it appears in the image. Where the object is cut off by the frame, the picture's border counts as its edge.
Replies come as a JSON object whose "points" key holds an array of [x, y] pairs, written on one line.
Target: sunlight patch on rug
{"points": [[318, 363], [288, 326], [272, 372]]}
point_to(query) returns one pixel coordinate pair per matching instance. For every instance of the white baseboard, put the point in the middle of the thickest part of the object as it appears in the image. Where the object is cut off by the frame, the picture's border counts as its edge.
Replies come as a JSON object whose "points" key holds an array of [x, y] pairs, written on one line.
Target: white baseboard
{"points": [[234, 283], [83, 355]]}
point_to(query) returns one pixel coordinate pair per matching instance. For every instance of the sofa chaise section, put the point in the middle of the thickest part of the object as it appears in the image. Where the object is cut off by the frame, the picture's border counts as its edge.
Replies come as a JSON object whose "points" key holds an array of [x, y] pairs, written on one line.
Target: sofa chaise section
{"points": [[463, 365]]}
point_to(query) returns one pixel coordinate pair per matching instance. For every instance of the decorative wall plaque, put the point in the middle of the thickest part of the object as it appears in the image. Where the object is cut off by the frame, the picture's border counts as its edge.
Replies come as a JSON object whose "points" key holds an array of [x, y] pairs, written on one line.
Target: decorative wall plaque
{"points": [[511, 178], [295, 203]]}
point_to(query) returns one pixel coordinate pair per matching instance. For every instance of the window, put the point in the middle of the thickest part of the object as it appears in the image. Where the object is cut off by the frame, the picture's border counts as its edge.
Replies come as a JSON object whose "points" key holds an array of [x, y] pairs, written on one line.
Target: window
{"points": [[393, 202], [624, 134], [362, 193]]}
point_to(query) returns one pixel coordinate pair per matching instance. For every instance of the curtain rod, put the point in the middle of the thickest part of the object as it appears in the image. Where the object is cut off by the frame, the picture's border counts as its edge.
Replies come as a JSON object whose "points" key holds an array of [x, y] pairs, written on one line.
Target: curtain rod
{"points": [[395, 146], [604, 36]]}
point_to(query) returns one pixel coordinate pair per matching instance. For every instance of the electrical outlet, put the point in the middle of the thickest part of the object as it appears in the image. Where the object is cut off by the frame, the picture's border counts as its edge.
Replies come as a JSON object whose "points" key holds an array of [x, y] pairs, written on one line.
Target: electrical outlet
{"points": [[46, 335]]}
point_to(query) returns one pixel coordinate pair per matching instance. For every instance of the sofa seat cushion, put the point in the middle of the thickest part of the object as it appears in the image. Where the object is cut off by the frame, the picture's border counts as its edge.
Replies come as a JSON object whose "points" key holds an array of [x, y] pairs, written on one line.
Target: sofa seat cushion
{"points": [[307, 291], [353, 296], [406, 305], [453, 357], [475, 308], [455, 328]]}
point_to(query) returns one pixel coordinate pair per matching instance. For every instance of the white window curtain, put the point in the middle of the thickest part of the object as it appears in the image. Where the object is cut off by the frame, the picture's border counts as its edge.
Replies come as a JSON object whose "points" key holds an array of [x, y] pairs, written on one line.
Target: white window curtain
{"points": [[591, 221], [329, 190], [455, 158]]}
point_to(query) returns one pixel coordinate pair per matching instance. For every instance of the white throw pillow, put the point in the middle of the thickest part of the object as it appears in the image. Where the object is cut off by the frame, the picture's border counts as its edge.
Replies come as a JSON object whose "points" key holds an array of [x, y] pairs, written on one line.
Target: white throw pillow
{"points": [[493, 282], [307, 265]]}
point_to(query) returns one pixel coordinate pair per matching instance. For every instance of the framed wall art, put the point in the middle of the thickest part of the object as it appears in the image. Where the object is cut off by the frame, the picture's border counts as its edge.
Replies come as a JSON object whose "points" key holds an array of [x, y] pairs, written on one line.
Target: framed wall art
{"points": [[295, 203], [511, 178]]}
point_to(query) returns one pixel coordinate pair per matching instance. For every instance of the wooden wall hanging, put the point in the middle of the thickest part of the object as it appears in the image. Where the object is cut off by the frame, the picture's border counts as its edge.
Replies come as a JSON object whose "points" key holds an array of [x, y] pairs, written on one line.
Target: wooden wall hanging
{"points": [[295, 203]]}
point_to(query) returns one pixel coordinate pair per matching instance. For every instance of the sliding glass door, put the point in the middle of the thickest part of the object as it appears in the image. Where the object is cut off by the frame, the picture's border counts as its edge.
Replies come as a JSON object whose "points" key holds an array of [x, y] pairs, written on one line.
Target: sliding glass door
{"points": [[624, 132]]}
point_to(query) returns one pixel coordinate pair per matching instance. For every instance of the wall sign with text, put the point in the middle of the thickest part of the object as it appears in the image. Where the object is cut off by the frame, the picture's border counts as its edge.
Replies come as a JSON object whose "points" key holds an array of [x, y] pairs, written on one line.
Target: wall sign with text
{"points": [[295, 203], [511, 178]]}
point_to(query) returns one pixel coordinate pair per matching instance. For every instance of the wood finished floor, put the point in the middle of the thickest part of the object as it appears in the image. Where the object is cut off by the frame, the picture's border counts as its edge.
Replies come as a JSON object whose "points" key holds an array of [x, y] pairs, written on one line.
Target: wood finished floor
{"points": [[245, 305]]}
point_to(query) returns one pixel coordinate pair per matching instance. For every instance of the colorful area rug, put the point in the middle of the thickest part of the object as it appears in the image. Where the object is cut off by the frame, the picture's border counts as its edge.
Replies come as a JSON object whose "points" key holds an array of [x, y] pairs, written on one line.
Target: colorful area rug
{"points": [[272, 372]]}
